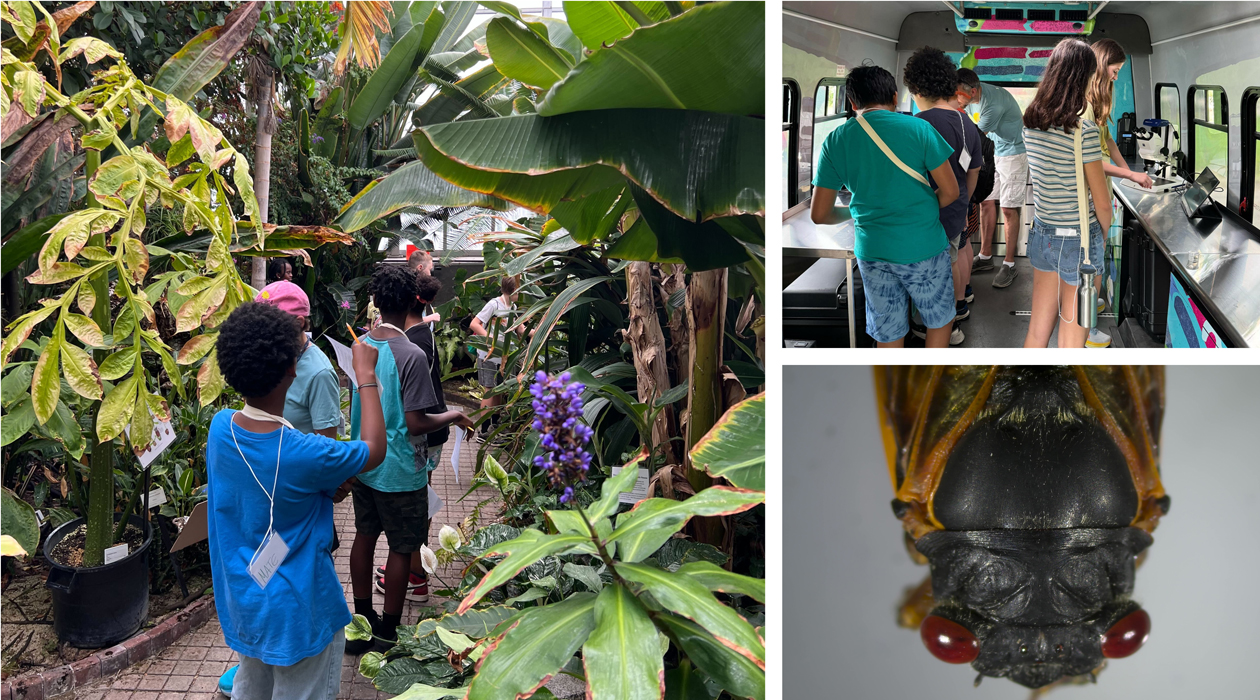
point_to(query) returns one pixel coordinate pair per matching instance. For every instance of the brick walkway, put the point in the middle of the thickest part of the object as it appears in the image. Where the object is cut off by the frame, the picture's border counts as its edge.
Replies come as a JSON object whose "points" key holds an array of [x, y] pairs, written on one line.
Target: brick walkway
{"points": [[190, 668]]}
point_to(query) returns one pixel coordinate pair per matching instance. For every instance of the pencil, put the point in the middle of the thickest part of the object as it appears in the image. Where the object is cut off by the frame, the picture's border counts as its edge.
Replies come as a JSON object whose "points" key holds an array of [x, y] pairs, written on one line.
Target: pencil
{"points": [[352, 335]]}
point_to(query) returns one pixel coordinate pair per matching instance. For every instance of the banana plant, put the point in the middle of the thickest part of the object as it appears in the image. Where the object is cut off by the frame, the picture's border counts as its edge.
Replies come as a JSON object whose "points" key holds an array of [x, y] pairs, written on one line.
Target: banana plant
{"points": [[87, 249]]}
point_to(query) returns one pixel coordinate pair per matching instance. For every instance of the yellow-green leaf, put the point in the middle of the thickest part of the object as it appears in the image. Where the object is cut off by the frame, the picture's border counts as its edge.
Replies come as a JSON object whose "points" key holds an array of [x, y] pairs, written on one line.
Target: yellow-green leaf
{"points": [[245, 186], [87, 299], [622, 658], [209, 380], [196, 348], [179, 152], [46, 382], [21, 329], [84, 328], [93, 49], [116, 409], [141, 433], [28, 91], [98, 140], [136, 259], [118, 364], [80, 370]]}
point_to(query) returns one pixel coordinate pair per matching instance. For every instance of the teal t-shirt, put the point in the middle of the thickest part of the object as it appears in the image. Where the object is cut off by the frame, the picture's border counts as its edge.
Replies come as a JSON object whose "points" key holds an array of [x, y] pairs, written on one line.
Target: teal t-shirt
{"points": [[897, 218], [403, 375], [314, 400], [1001, 119]]}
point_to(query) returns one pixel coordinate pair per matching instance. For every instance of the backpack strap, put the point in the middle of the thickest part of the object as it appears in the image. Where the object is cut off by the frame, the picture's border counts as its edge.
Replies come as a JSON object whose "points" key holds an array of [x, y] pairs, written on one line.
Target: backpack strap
{"points": [[1082, 207], [888, 152]]}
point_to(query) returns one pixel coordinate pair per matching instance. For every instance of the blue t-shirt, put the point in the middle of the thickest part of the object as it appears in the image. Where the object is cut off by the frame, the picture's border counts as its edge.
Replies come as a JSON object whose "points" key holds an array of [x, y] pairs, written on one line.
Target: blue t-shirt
{"points": [[304, 605], [896, 218], [961, 134], [1002, 120], [403, 375], [314, 400]]}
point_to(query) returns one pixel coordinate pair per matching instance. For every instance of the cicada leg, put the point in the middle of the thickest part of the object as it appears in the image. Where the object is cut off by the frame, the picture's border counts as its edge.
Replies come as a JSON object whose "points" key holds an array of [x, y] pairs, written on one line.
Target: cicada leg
{"points": [[915, 604]]}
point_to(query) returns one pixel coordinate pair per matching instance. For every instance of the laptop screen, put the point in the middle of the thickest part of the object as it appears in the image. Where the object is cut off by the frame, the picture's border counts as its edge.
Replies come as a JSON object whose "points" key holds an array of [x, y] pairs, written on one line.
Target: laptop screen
{"points": [[1198, 192]]}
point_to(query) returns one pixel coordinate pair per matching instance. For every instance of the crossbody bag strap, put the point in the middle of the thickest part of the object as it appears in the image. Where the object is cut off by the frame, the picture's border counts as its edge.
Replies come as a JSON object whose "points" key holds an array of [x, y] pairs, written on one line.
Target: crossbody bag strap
{"points": [[1081, 205], [888, 151]]}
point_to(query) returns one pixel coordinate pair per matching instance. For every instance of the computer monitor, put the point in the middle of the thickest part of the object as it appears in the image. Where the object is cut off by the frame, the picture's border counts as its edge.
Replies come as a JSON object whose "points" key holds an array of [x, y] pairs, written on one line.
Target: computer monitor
{"points": [[1197, 201]]}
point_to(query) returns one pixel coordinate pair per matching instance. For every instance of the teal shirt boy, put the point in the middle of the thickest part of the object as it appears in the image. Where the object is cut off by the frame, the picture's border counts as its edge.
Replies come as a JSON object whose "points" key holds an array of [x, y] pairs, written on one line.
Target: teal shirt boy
{"points": [[1001, 119], [897, 218], [403, 375], [314, 400]]}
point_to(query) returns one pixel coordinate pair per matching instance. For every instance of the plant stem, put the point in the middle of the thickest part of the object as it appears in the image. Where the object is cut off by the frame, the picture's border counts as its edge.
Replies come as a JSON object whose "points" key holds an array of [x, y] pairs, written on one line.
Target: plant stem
{"points": [[635, 13]]}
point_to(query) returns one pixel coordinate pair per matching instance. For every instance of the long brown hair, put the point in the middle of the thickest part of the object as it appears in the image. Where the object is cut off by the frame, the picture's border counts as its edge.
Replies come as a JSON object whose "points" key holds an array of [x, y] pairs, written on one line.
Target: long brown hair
{"points": [[1099, 94], [1061, 97]]}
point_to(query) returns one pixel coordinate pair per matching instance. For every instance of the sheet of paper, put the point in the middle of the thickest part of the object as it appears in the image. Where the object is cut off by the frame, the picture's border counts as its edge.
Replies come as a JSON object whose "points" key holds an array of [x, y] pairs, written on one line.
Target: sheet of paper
{"points": [[157, 497], [163, 437], [345, 360], [116, 553], [459, 440], [195, 530], [274, 551], [640, 490], [435, 503]]}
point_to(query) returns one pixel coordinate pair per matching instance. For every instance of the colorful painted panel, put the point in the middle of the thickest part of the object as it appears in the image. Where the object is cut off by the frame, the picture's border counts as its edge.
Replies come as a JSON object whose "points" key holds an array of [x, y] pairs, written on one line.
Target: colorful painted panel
{"points": [[1029, 26], [1114, 251], [1187, 326]]}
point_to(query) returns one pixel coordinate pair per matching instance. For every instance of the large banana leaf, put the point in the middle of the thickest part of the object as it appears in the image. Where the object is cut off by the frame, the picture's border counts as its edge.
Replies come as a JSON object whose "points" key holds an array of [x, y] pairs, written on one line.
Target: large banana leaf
{"points": [[622, 656], [26, 242], [735, 447], [411, 185], [701, 165], [402, 61], [537, 645], [536, 192], [523, 55], [40, 191], [598, 23], [651, 523], [711, 58], [458, 16], [594, 216], [703, 246], [451, 101]]}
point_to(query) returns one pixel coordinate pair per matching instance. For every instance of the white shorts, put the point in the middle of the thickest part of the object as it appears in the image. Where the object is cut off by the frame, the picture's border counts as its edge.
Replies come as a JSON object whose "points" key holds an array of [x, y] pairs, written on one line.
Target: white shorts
{"points": [[1010, 180]]}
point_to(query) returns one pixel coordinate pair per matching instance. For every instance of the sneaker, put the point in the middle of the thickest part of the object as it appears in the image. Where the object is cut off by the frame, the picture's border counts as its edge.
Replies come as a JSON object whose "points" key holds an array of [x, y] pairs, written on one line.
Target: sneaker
{"points": [[961, 311], [1097, 339], [417, 587], [1102, 305], [918, 329], [225, 681], [1005, 276], [956, 336], [969, 296], [979, 264], [357, 647]]}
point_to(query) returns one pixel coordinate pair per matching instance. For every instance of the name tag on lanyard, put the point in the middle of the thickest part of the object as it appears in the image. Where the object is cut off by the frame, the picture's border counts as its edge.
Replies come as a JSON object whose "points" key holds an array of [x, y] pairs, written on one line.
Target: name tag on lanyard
{"points": [[271, 555]]}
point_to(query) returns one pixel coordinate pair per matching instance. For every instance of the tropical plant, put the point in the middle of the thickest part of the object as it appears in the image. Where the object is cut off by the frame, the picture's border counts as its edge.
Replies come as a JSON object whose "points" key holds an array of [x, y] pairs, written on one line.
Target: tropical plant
{"points": [[94, 255], [633, 601]]}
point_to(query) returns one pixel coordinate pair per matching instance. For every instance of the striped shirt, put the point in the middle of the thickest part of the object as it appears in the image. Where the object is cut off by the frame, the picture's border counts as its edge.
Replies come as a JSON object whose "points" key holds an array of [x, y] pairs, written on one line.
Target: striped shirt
{"points": [[1050, 163]]}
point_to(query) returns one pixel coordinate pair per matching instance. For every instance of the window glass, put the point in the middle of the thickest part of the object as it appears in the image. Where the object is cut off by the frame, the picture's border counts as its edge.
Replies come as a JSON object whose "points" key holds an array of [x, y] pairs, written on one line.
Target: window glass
{"points": [[1023, 96], [1255, 173], [1211, 150], [829, 113], [791, 126], [1170, 107]]}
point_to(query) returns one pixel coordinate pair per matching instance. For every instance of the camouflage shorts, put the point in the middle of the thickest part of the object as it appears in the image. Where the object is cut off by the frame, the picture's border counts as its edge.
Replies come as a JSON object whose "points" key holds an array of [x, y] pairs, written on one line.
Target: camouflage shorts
{"points": [[402, 516]]}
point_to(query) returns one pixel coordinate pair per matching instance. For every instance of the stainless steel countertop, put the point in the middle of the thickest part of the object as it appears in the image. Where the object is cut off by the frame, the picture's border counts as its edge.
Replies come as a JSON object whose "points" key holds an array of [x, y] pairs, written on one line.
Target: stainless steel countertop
{"points": [[803, 238], [1218, 258]]}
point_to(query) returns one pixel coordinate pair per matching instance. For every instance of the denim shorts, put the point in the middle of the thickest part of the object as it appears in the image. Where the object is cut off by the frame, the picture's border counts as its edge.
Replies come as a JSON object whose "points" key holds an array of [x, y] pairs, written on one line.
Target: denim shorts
{"points": [[1050, 252], [889, 288]]}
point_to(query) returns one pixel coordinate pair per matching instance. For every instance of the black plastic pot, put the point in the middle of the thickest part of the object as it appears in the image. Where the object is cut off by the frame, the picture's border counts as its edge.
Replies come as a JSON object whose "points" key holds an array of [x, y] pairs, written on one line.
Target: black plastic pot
{"points": [[99, 606]]}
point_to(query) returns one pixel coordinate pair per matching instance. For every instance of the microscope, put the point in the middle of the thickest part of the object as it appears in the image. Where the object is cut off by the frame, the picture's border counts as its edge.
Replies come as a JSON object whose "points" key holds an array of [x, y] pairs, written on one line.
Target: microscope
{"points": [[1154, 139]]}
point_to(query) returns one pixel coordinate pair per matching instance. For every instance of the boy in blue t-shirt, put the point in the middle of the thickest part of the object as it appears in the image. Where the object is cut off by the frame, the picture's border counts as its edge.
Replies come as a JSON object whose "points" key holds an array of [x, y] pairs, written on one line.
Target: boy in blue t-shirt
{"points": [[394, 498], [270, 505], [902, 249]]}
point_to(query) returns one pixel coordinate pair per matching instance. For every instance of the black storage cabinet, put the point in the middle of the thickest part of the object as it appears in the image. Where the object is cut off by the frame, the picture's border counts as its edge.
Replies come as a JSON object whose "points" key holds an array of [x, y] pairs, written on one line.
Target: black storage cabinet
{"points": [[815, 306]]}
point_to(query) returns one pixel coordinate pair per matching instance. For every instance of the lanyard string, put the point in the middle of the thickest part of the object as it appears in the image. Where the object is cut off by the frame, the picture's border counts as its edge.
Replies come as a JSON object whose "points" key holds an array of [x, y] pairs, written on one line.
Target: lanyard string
{"points": [[392, 326], [259, 414]]}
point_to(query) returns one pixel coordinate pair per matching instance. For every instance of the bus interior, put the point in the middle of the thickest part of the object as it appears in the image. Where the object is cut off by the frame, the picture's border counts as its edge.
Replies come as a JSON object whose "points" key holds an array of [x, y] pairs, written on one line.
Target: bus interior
{"points": [[1185, 109]]}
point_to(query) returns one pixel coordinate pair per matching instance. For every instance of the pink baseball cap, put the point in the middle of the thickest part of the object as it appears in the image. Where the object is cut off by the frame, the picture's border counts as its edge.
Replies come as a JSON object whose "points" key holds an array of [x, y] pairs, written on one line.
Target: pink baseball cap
{"points": [[287, 297]]}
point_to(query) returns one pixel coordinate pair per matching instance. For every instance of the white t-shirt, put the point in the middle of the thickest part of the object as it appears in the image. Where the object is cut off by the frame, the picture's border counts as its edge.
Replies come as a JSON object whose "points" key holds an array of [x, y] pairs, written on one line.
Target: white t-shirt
{"points": [[499, 307]]}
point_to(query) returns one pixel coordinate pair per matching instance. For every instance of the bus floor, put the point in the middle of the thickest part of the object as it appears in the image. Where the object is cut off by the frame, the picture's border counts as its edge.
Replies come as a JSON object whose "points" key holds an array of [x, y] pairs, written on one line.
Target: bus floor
{"points": [[999, 317]]}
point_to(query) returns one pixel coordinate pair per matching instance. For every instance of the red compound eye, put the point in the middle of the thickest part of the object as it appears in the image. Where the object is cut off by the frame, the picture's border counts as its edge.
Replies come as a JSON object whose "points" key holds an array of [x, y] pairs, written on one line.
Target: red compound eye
{"points": [[1126, 636], [949, 641]]}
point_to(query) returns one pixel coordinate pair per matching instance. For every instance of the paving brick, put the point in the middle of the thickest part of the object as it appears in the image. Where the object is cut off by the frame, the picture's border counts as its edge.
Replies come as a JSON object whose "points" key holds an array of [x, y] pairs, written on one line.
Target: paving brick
{"points": [[29, 687], [126, 681], [118, 695], [178, 683], [86, 670]]}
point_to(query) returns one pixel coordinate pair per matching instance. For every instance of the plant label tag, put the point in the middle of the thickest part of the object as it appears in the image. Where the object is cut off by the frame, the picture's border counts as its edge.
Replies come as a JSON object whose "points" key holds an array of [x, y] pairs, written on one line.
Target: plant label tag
{"points": [[157, 497], [116, 553], [39, 515], [163, 436], [640, 490], [273, 553], [435, 502]]}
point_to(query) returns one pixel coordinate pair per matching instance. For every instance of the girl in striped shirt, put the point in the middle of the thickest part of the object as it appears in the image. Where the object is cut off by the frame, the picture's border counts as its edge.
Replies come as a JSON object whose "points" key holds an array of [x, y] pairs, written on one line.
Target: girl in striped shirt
{"points": [[1054, 244]]}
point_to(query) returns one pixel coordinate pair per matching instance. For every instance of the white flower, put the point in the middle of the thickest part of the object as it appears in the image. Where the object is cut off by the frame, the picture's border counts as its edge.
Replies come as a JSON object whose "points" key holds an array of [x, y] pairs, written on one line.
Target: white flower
{"points": [[428, 558], [449, 539]]}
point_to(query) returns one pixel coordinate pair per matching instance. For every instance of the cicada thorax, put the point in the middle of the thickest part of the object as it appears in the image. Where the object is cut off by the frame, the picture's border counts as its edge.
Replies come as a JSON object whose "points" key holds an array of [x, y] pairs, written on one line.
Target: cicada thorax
{"points": [[1030, 491]]}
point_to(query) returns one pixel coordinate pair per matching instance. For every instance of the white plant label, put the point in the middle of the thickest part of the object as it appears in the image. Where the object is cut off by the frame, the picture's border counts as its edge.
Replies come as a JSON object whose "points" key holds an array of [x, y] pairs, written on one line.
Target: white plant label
{"points": [[435, 503], [163, 437], [273, 553], [116, 553], [459, 440], [640, 490], [345, 360], [39, 515], [157, 497]]}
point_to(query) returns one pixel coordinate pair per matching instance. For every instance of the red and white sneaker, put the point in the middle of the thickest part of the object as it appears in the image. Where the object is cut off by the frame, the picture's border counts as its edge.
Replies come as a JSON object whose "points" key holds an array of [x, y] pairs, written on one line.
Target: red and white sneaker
{"points": [[417, 587]]}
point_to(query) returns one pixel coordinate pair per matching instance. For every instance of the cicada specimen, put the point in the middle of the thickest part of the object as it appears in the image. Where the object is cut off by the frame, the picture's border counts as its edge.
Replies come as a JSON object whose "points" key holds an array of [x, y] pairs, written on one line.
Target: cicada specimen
{"points": [[1030, 492]]}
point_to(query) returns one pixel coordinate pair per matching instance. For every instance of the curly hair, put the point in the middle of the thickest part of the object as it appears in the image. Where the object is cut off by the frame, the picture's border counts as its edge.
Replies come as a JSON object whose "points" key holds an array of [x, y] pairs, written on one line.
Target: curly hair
{"points": [[257, 344], [929, 73], [394, 288], [429, 288]]}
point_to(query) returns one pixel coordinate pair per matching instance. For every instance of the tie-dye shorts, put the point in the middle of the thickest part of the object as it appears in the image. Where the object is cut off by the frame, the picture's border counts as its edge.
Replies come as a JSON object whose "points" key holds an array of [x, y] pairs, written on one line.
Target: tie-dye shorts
{"points": [[890, 288]]}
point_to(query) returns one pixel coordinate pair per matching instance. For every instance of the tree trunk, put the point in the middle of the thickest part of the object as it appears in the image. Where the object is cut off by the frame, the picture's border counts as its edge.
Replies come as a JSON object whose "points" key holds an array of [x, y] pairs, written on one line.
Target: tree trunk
{"points": [[648, 345], [262, 162], [679, 332], [706, 315], [100, 505]]}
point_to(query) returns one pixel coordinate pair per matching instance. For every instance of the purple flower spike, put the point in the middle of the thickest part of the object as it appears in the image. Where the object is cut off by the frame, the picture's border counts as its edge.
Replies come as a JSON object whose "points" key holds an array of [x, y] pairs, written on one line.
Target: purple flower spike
{"points": [[558, 416]]}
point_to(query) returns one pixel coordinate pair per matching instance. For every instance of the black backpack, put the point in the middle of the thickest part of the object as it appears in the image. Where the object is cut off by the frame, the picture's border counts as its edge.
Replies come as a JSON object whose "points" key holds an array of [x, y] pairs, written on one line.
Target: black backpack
{"points": [[988, 171]]}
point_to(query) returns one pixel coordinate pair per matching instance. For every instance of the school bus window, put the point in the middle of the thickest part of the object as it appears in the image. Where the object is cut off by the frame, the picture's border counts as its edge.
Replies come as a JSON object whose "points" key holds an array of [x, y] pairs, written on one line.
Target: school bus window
{"points": [[1168, 106], [829, 113], [791, 132], [1209, 135], [1250, 153]]}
